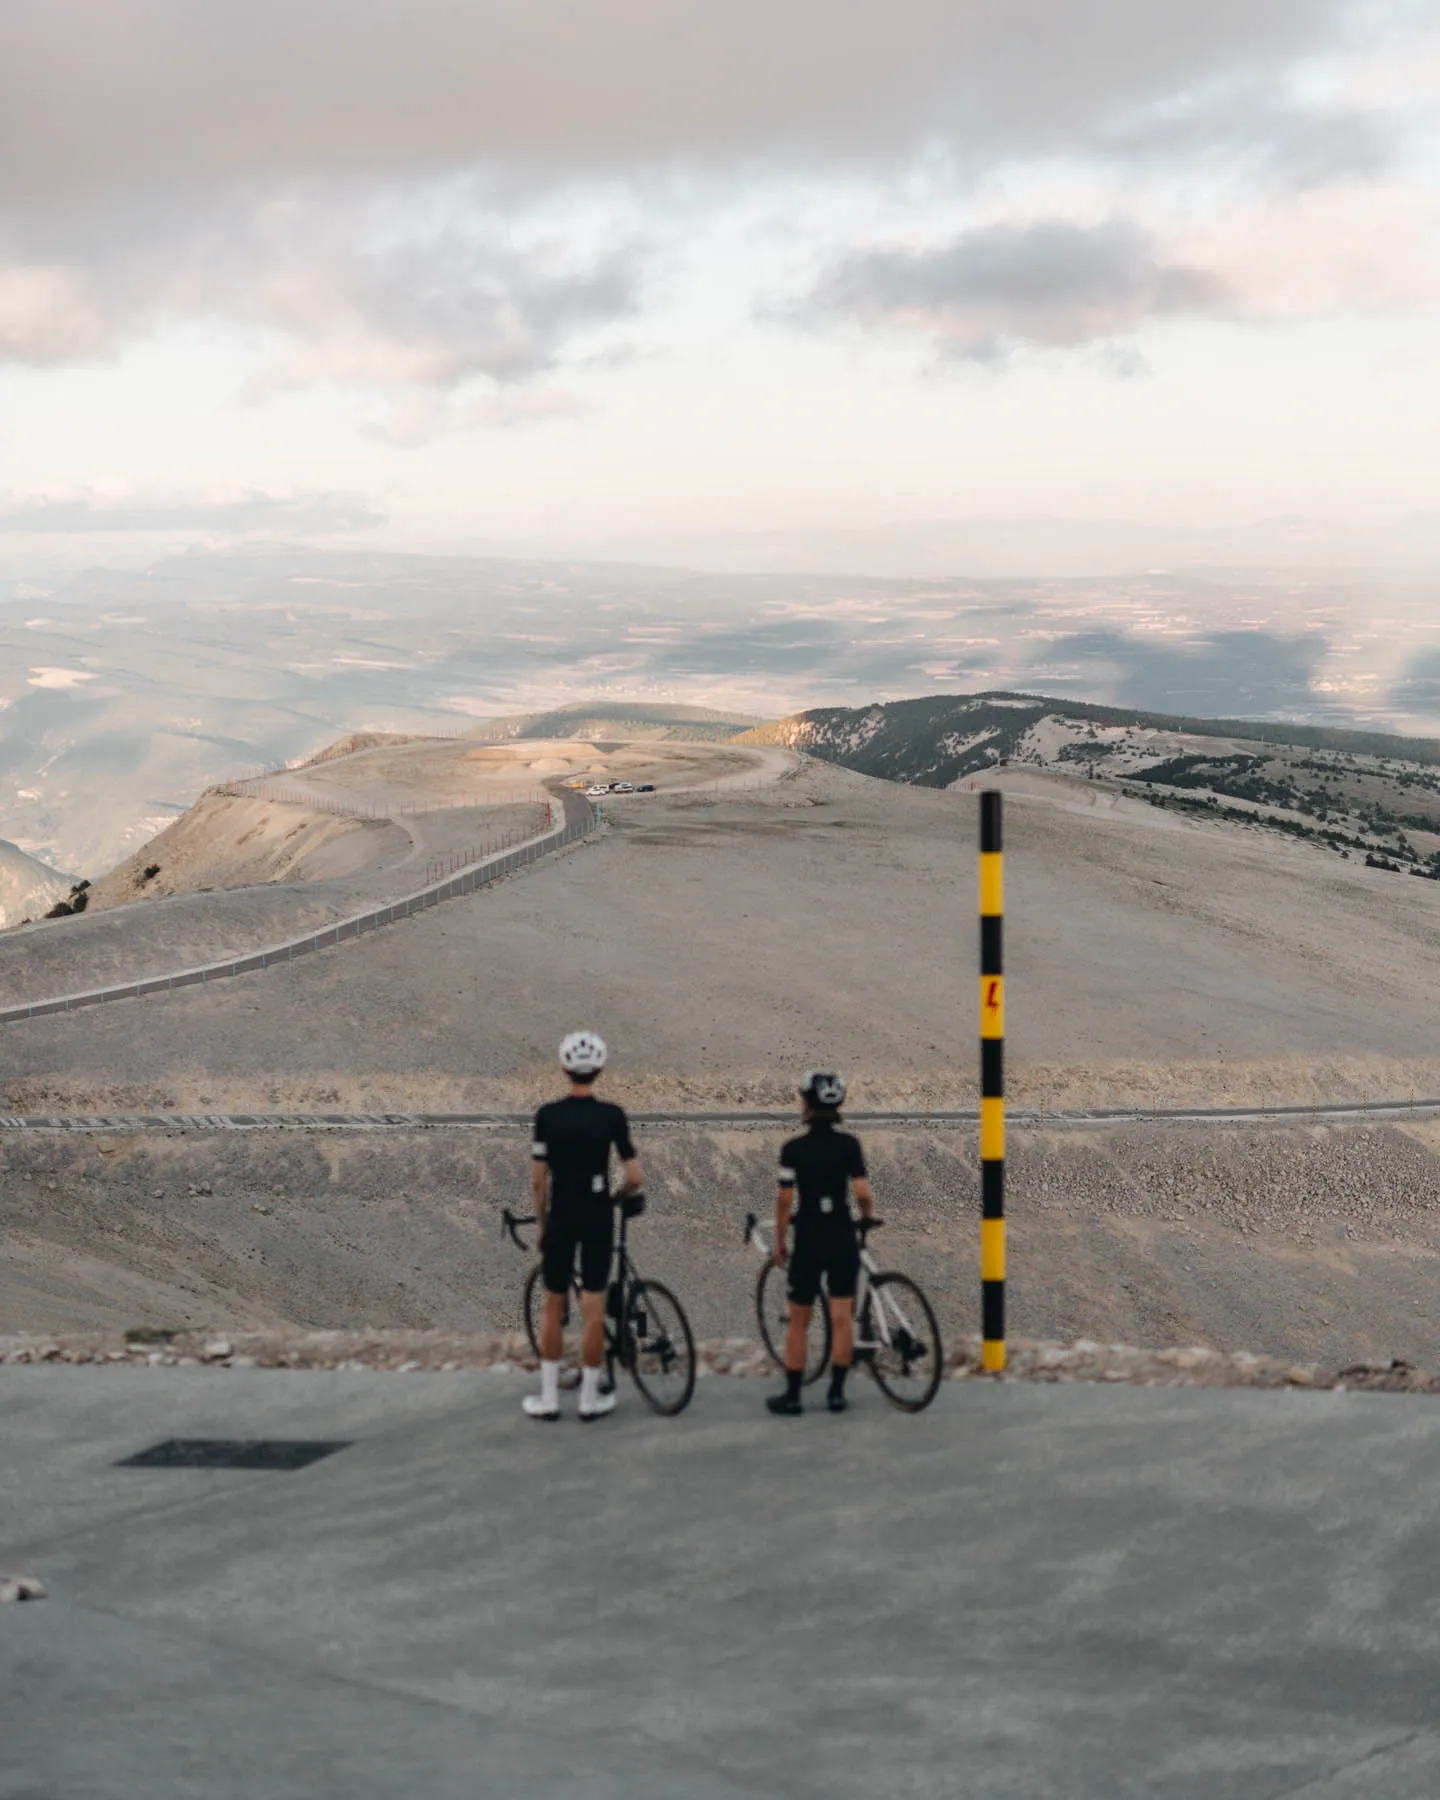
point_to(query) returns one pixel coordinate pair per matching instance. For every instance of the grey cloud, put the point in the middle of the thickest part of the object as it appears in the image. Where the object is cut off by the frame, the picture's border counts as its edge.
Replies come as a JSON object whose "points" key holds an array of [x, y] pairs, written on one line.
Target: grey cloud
{"points": [[252, 512], [447, 311], [1250, 126], [1050, 283], [338, 290], [235, 159], [97, 101]]}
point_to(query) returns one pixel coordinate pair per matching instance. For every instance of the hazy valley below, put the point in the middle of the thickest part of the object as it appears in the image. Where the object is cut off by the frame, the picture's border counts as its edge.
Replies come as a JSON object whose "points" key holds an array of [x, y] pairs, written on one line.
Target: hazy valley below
{"points": [[124, 694]]}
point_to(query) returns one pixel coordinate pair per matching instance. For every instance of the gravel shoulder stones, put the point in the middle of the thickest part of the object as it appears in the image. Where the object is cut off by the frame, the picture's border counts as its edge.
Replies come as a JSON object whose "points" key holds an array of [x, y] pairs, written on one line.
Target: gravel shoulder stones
{"points": [[417, 1352]]}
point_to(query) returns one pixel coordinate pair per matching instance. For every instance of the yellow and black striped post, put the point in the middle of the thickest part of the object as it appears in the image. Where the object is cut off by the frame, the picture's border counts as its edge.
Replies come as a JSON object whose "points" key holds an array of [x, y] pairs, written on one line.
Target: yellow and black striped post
{"points": [[992, 1085]]}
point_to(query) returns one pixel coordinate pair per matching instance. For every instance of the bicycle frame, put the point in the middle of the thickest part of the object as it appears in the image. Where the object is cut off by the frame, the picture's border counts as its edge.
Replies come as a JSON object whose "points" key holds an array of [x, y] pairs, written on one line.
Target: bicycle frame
{"points": [[887, 1313]]}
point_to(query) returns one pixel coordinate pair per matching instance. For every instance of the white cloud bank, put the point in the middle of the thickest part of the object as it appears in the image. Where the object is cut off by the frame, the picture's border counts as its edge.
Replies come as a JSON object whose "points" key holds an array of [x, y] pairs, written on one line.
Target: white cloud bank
{"points": [[462, 220]]}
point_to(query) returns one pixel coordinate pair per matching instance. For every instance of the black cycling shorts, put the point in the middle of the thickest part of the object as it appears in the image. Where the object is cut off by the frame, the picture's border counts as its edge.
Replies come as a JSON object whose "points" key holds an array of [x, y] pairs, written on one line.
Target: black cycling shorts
{"points": [[836, 1258], [591, 1233]]}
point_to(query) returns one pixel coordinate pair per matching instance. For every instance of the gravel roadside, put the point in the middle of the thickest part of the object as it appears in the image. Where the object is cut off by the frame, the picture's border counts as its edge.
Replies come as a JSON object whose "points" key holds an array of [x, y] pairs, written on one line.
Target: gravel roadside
{"points": [[1314, 1245], [438, 1352]]}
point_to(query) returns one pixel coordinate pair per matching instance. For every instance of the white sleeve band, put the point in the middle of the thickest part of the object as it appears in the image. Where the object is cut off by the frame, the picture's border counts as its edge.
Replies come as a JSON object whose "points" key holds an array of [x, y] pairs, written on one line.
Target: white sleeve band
{"points": [[786, 1176], [538, 1150]]}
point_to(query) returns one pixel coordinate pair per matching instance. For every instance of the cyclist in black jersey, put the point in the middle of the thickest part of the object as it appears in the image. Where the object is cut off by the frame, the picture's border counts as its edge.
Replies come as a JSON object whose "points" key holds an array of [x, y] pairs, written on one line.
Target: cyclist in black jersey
{"points": [[570, 1183], [818, 1172]]}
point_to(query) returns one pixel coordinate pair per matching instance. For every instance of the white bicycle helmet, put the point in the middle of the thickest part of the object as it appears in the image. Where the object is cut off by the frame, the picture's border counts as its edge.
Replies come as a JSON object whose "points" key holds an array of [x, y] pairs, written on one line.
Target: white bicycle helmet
{"points": [[582, 1053], [823, 1088]]}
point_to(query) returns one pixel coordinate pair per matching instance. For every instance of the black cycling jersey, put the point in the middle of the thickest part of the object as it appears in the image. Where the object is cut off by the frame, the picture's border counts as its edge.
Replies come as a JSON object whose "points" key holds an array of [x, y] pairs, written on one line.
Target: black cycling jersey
{"points": [[819, 1166], [574, 1137]]}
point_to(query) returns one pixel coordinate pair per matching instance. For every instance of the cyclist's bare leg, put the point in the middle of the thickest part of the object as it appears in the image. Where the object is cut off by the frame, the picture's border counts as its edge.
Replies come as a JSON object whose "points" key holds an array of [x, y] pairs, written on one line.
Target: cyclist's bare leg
{"points": [[593, 1403], [552, 1327], [796, 1334], [592, 1345], [546, 1404], [842, 1322]]}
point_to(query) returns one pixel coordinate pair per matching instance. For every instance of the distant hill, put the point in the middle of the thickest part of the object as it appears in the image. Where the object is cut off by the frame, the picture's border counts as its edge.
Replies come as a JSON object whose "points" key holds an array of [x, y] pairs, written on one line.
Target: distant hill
{"points": [[938, 740], [619, 719], [28, 887], [1362, 794]]}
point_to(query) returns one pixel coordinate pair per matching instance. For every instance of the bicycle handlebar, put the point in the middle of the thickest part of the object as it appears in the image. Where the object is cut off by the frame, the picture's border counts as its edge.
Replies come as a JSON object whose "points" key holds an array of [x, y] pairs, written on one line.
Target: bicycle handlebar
{"points": [[511, 1225]]}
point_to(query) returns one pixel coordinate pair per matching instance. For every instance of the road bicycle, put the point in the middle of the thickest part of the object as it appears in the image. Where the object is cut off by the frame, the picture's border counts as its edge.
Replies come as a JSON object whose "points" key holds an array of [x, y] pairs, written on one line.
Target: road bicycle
{"points": [[897, 1338], [646, 1331]]}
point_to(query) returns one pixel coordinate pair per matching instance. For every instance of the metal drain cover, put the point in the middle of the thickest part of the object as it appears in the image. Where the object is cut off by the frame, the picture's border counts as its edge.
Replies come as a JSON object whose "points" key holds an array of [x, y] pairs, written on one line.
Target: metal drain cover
{"points": [[233, 1453]]}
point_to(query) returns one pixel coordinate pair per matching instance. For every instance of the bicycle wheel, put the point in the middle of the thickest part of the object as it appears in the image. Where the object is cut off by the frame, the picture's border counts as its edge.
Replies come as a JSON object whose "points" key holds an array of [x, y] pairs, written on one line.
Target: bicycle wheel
{"points": [[658, 1348], [898, 1340], [772, 1312], [573, 1324]]}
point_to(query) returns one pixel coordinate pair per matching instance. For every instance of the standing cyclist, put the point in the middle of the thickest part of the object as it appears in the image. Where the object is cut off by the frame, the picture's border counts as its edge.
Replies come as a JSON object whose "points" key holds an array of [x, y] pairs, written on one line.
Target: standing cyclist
{"points": [[570, 1181], [818, 1170]]}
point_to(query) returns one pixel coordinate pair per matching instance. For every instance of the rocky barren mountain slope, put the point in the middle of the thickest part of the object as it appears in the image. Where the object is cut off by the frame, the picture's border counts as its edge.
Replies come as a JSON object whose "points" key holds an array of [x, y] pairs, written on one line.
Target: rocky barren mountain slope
{"points": [[28, 887], [1308, 1243], [724, 938]]}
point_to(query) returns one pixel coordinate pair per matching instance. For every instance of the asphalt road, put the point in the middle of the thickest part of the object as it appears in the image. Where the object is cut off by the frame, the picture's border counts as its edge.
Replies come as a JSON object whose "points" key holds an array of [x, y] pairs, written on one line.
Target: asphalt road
{"points": [[1054, 1593]]}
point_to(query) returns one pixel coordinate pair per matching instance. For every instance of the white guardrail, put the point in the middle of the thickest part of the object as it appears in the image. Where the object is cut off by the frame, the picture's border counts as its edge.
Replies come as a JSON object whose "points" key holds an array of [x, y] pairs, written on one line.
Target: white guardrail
{"points": [[479, 875]]}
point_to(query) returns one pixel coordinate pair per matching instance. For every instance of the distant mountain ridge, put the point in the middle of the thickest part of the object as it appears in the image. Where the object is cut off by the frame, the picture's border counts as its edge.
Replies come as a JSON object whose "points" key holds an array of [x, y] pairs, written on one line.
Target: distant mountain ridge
{"points": [[940, 739], [627, 718]]}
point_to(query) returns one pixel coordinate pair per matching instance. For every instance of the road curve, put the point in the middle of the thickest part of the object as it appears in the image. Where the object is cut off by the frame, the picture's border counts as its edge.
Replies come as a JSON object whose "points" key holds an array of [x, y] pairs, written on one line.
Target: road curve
{"points": [[578, 819]]}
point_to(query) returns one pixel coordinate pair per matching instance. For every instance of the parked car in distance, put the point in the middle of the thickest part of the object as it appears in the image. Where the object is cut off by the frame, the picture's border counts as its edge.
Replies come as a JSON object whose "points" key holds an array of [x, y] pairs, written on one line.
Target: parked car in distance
{"points": [[595, 791], [622, 787], [645, 787]]}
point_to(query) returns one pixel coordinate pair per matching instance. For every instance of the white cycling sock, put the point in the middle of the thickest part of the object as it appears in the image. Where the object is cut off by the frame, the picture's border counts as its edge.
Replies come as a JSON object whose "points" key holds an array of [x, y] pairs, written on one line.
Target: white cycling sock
{"points": [[589, 1388], [550, 1384]]}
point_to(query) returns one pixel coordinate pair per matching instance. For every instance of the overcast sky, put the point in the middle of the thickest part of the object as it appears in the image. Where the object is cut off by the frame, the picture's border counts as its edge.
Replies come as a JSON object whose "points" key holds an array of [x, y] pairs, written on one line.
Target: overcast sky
{"points": [[618, 276]]}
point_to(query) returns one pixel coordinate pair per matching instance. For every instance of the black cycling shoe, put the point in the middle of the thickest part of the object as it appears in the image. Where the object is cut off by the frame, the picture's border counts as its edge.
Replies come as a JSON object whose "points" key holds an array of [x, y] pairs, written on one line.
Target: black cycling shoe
{"points": [[786, 1406], [836, 1401]]}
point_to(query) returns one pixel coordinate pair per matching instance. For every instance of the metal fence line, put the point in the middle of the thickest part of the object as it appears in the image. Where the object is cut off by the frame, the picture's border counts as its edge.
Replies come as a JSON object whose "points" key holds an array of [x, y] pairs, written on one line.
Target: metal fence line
{"points": [[476, 876], [449, 862]]}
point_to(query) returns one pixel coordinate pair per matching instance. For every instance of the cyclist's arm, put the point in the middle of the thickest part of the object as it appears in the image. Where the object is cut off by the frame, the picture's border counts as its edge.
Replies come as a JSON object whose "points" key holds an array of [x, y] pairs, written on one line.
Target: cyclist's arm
{"points": [[784, 1205], [540, 1174], [625, 1150], [859, 1177]]}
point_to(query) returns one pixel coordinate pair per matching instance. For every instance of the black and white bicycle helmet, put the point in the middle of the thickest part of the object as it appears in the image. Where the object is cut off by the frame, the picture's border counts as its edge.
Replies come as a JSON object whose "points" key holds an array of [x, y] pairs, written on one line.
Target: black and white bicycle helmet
{"points": [[823, 1088], [582, 1053]]}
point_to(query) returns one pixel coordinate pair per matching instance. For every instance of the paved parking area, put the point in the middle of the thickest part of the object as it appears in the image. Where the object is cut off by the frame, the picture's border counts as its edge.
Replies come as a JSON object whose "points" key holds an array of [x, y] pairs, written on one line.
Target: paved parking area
{"points": [[1043, 1592]]}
